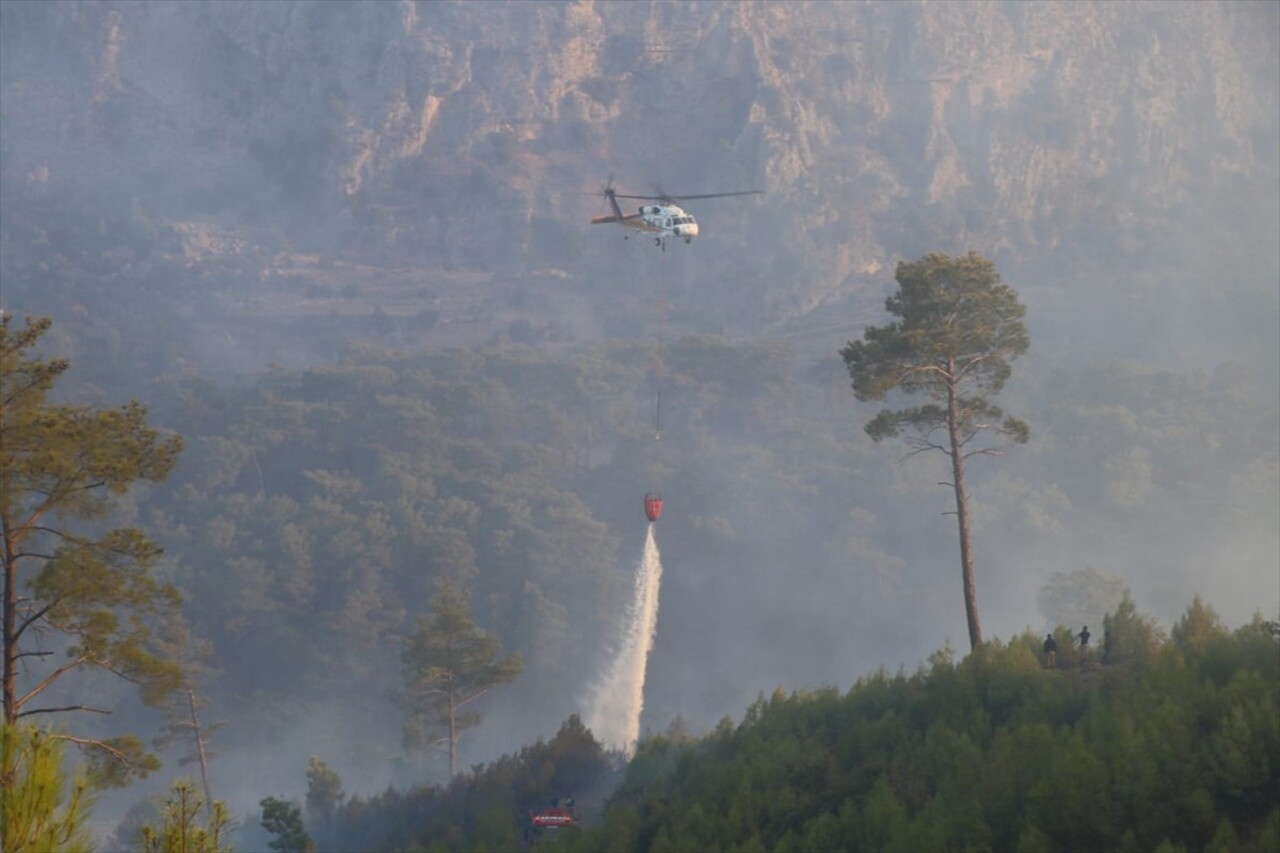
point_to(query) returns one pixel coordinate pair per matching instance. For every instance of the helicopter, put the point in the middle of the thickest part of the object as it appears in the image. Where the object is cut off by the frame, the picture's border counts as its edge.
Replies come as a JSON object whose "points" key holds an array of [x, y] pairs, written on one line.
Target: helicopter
{"points": [[664, 219]]}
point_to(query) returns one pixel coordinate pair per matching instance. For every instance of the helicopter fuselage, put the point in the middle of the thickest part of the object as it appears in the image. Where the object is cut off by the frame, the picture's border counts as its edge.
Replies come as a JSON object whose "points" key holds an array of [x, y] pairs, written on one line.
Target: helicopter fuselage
{"points": [[669, 220], [660, 220]]}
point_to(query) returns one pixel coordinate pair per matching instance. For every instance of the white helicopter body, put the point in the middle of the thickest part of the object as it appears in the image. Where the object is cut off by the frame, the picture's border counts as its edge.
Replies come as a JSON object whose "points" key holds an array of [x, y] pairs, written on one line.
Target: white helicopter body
{"points": [[663, 220]]}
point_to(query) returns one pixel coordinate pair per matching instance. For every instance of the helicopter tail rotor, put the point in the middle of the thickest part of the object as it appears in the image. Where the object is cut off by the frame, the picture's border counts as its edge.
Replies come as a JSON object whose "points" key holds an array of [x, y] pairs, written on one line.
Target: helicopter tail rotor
{"points": [[608, 193], [605, 191]]}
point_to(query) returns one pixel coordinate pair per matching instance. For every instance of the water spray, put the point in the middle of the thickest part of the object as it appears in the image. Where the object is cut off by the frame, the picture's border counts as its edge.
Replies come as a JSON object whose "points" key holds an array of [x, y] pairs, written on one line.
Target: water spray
{"points": [[618, 699]]}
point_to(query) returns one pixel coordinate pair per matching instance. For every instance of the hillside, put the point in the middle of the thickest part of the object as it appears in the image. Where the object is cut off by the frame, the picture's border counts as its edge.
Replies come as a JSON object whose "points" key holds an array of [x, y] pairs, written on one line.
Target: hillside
{"points": [[1165, 743]]}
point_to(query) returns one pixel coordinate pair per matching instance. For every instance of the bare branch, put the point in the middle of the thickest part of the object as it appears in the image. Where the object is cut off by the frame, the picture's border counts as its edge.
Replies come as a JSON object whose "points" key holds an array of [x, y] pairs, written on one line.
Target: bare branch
{"points": [[473, 697], [920, 450], [111, 669], [103, 745], [67, 708], [970, 366], [51, 498], [35, 616], [49, 679], [22, 555]]}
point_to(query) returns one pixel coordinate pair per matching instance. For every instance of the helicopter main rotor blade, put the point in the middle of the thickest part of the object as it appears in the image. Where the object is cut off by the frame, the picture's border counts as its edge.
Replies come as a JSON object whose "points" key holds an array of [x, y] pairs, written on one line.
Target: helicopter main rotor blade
{"points": [[715, 195], [688, 197]]}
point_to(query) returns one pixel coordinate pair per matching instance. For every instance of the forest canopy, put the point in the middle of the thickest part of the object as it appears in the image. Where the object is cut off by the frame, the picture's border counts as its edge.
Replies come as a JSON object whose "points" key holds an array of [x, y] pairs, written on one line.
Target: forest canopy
{"points": [[1168, 743], [313, 512], [1172, 746]]}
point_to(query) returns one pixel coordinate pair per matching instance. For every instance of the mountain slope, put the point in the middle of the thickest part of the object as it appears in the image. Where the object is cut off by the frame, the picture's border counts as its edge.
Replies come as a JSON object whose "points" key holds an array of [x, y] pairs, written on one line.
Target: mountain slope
{"points": [[462, 135]]}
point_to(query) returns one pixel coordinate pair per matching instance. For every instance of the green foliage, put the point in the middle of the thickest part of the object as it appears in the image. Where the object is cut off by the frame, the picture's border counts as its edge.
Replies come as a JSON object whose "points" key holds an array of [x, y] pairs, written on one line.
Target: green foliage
{"points": [[284, 821], [339, 496], [1198, 630], [36, 813], [1129, 637], [991, 753], [114, 762], [958, 326], [324, 790], [182, 831], [487, 808], [449, 663], [62, 470]]}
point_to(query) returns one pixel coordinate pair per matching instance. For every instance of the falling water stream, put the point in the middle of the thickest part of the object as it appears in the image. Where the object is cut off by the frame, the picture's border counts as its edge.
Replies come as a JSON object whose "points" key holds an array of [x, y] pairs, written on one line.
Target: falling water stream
{"points": [[617, 700]]}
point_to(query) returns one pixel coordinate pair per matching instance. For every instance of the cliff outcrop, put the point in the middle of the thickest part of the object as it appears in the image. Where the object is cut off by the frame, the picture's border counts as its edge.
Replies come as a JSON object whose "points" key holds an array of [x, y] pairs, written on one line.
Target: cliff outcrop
{"points": [[464, 135]]}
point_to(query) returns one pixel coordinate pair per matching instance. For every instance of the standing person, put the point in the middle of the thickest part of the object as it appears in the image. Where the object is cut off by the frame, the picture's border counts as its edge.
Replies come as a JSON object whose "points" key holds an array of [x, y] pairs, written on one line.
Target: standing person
{"points": [[1050, 651], [1084, 644]]}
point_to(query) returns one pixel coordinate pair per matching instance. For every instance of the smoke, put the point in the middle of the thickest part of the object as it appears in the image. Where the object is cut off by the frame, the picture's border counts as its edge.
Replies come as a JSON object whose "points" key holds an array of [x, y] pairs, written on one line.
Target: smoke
{"points": [[618, 699]]}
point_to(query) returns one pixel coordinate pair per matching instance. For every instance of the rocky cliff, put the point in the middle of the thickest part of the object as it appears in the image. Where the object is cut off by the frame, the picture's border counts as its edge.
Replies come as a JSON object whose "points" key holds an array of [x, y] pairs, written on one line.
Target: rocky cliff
{"points": [[1072, 135]]}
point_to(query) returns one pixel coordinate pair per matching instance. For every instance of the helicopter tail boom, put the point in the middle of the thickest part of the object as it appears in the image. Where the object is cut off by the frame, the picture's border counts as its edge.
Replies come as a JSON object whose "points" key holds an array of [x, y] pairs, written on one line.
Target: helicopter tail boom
{"points": [[603, 220]]}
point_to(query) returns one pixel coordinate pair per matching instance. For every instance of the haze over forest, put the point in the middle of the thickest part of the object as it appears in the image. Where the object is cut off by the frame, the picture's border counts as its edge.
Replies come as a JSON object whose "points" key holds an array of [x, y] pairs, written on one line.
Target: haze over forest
{"points": [[342, 248]]}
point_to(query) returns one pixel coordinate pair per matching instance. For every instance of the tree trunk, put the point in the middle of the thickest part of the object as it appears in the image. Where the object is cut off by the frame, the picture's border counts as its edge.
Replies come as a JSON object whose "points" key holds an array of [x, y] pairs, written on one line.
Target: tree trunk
{"points": [[8, 763], [453, 739], [204, 762], [962, 515], [10, 676]]}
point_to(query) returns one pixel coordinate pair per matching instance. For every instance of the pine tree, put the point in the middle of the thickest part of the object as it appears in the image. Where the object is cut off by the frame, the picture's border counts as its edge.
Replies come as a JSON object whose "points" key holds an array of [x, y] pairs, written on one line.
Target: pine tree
{"points": [[181, 831], [61, 467], [324, 791], [958, 328], [35, 813], [448, 664], [284, 821]]}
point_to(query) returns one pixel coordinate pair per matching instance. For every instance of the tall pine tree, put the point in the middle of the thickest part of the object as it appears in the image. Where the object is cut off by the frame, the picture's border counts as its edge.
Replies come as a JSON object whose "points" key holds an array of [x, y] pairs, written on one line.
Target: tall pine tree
{"points": [[958, 328]]}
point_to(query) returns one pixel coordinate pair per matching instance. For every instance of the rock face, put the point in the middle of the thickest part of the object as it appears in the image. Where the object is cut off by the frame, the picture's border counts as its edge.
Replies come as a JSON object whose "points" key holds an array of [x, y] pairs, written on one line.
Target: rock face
{"points": [[463, 135]]}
